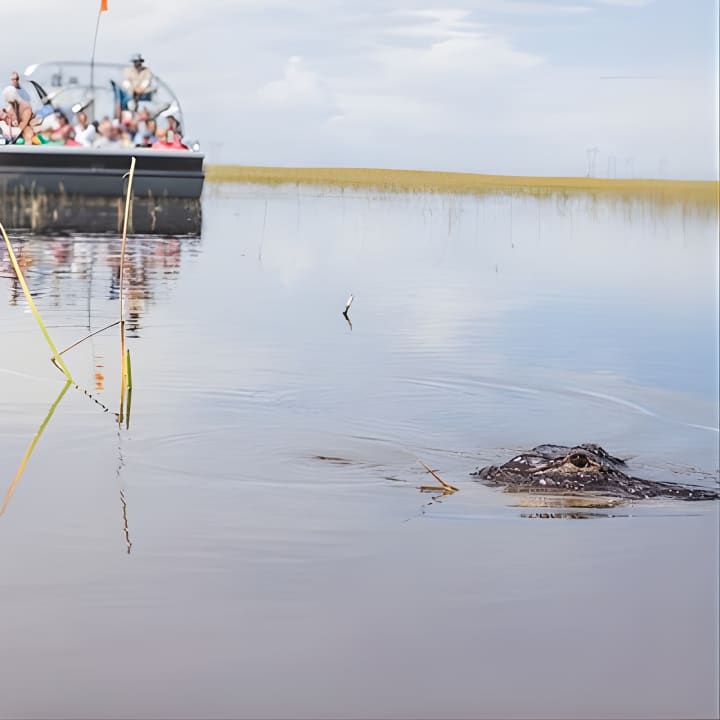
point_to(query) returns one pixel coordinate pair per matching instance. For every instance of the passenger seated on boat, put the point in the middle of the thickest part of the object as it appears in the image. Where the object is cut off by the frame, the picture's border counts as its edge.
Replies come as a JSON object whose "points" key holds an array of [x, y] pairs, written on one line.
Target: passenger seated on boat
{"points": [[82, 122], [15, 82], [87, 137], [108, 134], [128, 124], [167, 140], [125, 137], [85, 132], [161, 142], [145, 140], [8, 127], [141, 124], [137, 84], [146, 136], [63, 132], [23, 115], [173, 125], [43, 113]]}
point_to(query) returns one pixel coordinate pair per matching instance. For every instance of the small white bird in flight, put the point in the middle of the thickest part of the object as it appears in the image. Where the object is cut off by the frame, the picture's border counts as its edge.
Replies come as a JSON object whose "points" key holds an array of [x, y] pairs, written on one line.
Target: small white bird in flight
{"points": [[348, 304]]}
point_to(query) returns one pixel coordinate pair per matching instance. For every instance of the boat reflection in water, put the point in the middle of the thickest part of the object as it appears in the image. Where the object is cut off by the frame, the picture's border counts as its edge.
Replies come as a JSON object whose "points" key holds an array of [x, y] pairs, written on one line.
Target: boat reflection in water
{"points": [[53, 266], [35, 210]]}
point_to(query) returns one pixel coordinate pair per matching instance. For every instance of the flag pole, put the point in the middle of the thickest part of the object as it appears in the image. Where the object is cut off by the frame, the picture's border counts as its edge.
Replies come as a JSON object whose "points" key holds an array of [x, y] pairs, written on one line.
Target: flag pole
{"points": [[103, 8]]}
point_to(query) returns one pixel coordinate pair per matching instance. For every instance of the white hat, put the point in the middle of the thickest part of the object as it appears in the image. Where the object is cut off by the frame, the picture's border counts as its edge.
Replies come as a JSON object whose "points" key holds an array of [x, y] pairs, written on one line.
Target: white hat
{"points": [[11, 94]]}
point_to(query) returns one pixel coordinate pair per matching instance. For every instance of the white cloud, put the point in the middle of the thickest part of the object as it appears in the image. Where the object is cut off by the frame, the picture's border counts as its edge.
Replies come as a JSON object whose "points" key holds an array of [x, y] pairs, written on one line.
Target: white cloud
{"points": [[531, 7], [460, 58], [298, 88], [435, 24], [625, 3]]}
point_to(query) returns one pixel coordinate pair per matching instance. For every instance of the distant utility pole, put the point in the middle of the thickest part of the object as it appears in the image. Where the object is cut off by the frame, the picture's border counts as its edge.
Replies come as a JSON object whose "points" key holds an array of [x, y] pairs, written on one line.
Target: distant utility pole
{"points": [[612, 166], [629, 166], [592, 160]]}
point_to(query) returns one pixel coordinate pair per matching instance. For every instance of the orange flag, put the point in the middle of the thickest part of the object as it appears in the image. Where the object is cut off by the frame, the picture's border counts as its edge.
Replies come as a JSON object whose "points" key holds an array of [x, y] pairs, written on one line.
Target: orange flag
{"points": [[103, 5]]}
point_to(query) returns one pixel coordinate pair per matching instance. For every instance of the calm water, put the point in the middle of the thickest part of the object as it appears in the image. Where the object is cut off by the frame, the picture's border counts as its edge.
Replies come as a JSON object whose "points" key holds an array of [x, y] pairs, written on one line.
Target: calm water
{"points": [[255, 544]]}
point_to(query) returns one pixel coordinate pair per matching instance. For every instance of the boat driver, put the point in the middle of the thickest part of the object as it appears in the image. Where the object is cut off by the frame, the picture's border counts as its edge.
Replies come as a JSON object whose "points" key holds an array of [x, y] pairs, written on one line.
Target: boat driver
{"points": [[137, 83]]}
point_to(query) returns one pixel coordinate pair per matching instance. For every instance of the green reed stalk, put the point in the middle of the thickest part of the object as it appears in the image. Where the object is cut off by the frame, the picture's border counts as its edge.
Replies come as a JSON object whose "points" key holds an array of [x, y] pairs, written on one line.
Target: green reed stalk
{"points": [[129, 390], [123, 358]]}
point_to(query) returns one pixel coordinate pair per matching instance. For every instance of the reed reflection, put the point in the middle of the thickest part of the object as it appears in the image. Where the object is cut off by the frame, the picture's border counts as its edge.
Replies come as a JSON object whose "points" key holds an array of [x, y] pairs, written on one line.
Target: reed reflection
{"points": [[36, 438], [31, 447], [118, 473], [126, 529]]}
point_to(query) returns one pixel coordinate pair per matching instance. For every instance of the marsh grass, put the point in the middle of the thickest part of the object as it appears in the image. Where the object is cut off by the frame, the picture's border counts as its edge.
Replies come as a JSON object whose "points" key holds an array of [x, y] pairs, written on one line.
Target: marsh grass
{"points": [[704, 194]]}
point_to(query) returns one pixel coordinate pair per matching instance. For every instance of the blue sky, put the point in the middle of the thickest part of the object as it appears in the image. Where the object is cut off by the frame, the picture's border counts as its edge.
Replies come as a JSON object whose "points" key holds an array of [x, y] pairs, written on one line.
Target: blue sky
{"points": [[496, 86]]}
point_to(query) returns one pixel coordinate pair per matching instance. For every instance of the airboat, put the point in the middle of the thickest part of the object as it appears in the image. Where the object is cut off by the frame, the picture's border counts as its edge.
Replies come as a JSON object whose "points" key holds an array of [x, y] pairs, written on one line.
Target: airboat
{"points": [[61, 188]]}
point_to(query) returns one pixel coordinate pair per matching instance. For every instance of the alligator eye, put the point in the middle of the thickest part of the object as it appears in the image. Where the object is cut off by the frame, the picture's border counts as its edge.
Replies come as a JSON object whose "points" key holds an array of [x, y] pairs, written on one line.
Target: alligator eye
{"points": [[578, 460]]}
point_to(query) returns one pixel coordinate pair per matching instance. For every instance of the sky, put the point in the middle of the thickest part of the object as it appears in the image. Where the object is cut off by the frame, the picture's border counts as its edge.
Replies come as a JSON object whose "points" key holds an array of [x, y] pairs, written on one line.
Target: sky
{"points": [[614, 88]]}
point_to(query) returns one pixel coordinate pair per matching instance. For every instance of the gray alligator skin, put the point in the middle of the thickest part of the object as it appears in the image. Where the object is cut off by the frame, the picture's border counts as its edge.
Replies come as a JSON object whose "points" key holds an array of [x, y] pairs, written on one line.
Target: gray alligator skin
{"points": [[585, 468]]}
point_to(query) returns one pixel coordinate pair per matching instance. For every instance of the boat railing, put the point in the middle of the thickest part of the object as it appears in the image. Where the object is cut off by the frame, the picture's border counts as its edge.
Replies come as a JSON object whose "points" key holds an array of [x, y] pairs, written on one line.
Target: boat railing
{"points": [[83, 85]]}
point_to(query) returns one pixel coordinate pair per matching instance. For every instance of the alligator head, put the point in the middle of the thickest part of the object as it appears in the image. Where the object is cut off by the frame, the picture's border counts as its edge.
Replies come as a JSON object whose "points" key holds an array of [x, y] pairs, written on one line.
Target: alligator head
{"points": [[585, 468]]}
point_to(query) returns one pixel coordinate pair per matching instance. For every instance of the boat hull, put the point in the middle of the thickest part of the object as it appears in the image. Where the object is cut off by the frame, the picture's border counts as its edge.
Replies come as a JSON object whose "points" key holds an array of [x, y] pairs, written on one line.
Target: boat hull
{"points": [[97, 173], [62, 188]]}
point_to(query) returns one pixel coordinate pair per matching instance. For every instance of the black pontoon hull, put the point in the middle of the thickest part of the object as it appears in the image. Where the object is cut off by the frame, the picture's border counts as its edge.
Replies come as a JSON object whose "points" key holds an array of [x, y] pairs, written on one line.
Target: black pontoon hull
{"points": [[63, 189]]}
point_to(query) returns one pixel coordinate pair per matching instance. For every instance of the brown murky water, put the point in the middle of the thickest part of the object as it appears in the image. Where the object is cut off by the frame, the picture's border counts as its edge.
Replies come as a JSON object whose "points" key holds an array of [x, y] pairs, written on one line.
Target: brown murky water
{"points": [[255, 544]]}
